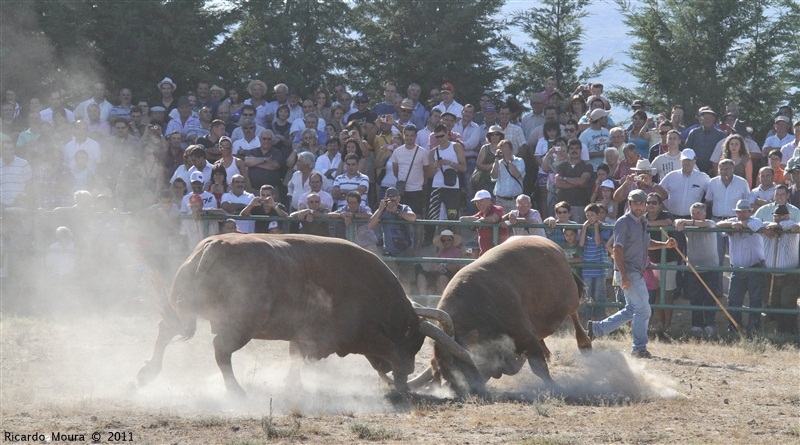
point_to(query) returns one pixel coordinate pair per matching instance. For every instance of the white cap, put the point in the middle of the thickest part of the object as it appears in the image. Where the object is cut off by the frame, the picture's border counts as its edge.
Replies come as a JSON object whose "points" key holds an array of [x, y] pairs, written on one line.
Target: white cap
{"points": [[482, 194], [598, 114], [688, 153], [608, 183], [196, 176]]}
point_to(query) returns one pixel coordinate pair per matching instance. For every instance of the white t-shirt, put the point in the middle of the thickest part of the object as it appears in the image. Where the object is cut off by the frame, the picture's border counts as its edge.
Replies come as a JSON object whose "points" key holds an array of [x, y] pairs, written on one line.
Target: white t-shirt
{"points": [[245, 198], [402, 157], [666, 163]]}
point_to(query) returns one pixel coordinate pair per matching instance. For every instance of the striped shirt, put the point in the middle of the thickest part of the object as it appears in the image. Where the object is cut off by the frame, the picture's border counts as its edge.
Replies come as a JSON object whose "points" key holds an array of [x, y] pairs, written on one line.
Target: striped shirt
{"points": [[746, 249], [786, 243], [346, 184], [592, 253], [14, 177]]}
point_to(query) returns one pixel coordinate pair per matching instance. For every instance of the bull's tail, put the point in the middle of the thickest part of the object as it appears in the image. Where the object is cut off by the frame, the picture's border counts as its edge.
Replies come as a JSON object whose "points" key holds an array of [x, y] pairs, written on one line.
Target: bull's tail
{"points": [[168, 313], [584, 343], [581, 285]]}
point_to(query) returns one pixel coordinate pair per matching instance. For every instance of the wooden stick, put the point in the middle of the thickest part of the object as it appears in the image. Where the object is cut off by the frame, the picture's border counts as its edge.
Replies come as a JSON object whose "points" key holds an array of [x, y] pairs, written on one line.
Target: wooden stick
{"points": [[710, 292]]}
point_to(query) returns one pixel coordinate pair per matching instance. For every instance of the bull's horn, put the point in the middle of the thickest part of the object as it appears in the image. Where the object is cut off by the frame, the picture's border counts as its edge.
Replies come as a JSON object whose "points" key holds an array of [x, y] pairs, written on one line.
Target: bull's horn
{"points": [[422, 379], [445, 341], [386, 378], [439, 315]]}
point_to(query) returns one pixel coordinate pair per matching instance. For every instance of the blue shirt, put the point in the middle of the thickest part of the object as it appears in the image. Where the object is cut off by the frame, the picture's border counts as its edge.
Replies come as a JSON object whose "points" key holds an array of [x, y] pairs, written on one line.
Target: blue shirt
{"points": [[592, 253], [634, 239], [396, 237]]}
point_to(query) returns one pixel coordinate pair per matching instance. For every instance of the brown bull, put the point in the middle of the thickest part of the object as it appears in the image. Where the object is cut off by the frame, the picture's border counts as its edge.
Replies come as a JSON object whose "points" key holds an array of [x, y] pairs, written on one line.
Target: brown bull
{"points": [[521, 290], [324, 295]]}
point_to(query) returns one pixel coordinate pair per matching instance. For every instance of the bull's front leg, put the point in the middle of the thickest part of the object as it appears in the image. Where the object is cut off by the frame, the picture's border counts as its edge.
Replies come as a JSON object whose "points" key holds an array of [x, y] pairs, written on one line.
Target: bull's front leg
{"points": [[152, 367]]}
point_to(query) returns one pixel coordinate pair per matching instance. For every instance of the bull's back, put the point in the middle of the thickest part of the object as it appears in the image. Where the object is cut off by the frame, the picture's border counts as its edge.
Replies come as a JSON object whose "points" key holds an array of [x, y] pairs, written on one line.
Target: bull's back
{"points": [[290, 286], [529, 274]]}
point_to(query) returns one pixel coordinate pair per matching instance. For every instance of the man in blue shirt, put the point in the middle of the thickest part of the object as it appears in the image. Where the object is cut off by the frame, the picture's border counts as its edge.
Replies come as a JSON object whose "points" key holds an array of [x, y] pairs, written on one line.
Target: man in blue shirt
{"points": [[631, 243]]}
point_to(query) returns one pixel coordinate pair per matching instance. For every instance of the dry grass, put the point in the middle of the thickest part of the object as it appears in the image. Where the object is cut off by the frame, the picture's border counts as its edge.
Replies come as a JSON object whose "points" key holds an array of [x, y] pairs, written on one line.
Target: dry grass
{"points": [[62, 375]]}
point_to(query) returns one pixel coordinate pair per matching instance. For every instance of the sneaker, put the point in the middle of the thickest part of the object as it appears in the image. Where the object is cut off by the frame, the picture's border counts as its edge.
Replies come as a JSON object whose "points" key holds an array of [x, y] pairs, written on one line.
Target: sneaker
{"points": [[641, 353], [590, 330], [697, 330], [710, 330]]}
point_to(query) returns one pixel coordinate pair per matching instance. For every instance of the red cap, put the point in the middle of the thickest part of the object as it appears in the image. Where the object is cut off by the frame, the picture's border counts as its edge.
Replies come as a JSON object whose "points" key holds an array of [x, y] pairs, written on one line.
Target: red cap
{"points": [[447, 87]]}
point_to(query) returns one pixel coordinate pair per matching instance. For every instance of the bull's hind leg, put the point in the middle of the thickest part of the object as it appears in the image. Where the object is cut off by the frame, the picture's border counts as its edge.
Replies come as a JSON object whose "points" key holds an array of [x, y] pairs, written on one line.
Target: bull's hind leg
{"points": [[152, 367], [584, 343], [225, 344]]}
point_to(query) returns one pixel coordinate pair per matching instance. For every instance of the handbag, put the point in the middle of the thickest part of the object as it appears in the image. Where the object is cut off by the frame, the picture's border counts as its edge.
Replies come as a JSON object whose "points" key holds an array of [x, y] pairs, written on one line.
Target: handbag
{"points": [[401, 185], [450, 175]]}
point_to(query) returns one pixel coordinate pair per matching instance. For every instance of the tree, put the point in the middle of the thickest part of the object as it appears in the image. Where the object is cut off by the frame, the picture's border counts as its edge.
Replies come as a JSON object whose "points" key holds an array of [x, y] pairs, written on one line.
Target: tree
{"points": [[294, 42], [71, 45], [555, 33], [428, 43], [699, 53]]}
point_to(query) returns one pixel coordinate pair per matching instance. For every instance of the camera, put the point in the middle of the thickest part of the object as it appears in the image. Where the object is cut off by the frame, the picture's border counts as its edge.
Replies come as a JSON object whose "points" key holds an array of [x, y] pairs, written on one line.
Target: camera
{"points": [[638, 177]]}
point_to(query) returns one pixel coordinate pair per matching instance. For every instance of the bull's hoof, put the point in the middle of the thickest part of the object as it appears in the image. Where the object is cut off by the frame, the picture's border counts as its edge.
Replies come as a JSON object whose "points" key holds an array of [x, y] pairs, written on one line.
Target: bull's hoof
{"points": [[146, 374]]}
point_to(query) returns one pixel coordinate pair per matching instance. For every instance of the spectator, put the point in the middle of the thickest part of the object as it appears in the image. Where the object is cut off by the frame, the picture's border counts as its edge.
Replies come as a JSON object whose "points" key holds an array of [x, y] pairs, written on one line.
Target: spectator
{"points": [[700, 251], [299, 183], [572, 180], [781, 242], [535, 118], [354, 208], [209, 201], [448, 246], [56, 105], [182, 171], [219, 182], [490, 214], [765, 191], [264, 163], [485, 160], [264, 205], [563, 210], [232, 165], [350, 180], [310, 212], [447, 156], [328, 163], [508, 172], [746, 251], [658, 217], [511, 131], [195, 229], [315, 182], [197, 156], [735, 150], [631, 241], [572, 248], [606, 194], [524, 213], [125, 106], [591, 241], [247, 140], [229, 226], [98, 98], [398, 240], [724, 191], [780, 197], [257, 90], [793, 172], [790, 149], [682, 188], [81, 141], [61, 259], [448, 104], [781, 136], [596, 138], [703, 139], [660, 139], [236, 199], [362, 114], [641, 178], [670, 160], [352, 145], [166, 89], [188, 125], [210, 141], [555, 156], [774, 162], [15, 176]]}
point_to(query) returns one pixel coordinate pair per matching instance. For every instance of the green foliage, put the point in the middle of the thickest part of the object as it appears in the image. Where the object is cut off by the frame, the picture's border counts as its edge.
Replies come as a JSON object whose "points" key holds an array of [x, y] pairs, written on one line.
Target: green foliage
{"points": [[700, 53], [429, 43], [555, 33], [70, 45], [295, 42]]}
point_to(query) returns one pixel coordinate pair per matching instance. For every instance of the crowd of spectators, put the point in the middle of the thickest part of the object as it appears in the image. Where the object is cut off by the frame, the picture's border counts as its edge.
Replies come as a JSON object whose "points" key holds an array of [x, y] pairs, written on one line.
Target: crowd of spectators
{"points": [[206, 150]]}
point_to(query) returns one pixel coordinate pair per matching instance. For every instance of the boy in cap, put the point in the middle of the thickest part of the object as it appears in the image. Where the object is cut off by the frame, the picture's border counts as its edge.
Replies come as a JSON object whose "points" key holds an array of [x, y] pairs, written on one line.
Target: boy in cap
{"points": [[631, 243]]}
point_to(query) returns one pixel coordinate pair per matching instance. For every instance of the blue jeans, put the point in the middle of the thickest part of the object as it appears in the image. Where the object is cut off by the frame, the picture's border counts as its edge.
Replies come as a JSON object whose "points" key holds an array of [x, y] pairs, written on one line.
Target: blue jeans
{"points": [[637, 308], [753, 284], [698, 296], [596, 290]]}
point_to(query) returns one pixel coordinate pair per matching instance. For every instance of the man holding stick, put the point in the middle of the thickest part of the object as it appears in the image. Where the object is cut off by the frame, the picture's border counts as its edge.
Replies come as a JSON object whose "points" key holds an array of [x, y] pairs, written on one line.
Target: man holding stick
{"points": [[631, 243]]}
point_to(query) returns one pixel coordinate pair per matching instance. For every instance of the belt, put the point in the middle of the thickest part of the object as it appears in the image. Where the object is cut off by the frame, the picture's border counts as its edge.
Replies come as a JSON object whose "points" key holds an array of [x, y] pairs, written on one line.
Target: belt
{"points": [[507, 198]]}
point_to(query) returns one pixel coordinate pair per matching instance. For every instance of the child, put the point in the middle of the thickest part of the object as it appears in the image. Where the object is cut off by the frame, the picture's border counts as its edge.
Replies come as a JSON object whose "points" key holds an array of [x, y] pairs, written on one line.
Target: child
{"points": [[591, 241], [607, 197], [572, 248], [603, 172], [81, 173]]}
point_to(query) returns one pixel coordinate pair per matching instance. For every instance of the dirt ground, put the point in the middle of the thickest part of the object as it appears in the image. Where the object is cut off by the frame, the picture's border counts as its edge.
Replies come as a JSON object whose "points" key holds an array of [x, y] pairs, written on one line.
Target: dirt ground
{"points": [[73, 375]]}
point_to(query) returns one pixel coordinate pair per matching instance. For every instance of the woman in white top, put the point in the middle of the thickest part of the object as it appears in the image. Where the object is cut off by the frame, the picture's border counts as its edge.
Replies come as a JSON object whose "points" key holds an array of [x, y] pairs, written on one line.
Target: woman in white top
{"points": [[298, 185], [446, 156]]}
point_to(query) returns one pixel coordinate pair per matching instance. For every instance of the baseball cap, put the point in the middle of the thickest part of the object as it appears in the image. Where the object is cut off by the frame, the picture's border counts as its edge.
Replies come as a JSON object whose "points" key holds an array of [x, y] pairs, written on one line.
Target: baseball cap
{"points": [[482, 194], [688, 153], [447, 86], [390, 192], [608, 183], [196, 176]]}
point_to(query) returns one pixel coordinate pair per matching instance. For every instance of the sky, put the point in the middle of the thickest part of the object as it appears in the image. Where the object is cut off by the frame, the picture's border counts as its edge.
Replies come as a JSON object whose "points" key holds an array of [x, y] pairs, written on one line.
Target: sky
{"points": [[605, 36]]}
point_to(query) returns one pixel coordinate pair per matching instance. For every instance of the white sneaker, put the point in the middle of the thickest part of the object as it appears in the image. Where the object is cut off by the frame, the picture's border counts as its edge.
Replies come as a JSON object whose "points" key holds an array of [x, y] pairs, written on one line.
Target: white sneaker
{"points": [[709, 330], [696, 330]]}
